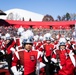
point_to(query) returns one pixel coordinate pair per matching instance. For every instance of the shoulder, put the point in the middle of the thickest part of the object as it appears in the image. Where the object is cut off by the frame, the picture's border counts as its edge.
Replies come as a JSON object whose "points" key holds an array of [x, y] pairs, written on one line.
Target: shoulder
{"points": [[21, 50], [39, 53], [69, 50], [55, 51], [19, 53]]}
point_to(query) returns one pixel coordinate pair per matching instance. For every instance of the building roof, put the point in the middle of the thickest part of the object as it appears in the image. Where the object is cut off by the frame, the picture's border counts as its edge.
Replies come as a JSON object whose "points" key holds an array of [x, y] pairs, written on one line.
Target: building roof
{"points": [[20, 14]]}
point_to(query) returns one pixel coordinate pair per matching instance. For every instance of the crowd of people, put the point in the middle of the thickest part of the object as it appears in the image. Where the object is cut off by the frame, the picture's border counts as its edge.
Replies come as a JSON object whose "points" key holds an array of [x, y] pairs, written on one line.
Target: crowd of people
{"points": [[37, 51]]}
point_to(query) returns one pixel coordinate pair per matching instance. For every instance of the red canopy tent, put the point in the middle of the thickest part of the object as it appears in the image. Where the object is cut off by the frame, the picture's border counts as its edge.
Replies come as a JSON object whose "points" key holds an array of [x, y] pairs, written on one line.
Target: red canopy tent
{"points": [[18, 25], [61, 27], [41, 22], [37, 24]]}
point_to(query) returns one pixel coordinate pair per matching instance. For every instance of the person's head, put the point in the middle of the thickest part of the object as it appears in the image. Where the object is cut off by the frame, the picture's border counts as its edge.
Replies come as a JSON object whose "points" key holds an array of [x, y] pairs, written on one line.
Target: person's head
{"points": [[62, 45], [28, 46], [27, 40], [47, 37], [7, 38], [28, 43], [7, 41], [48, 40]]}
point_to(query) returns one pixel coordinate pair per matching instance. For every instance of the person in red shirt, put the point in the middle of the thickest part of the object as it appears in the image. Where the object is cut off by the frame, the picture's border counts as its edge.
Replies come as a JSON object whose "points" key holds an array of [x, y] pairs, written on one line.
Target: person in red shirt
{"points": [[10, 43], [27, 57], [48, 48], [64, 59]]}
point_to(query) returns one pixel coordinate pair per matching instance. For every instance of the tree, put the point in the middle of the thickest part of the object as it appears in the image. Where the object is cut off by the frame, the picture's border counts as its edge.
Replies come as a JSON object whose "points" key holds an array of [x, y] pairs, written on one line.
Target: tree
{"points": [[48, 18], [63, 17], [59, 18], [67, 16]]}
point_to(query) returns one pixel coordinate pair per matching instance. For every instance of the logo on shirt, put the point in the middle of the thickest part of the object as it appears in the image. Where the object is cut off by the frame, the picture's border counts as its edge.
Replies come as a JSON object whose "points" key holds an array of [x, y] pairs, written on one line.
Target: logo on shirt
{"points": [[32, 57]]}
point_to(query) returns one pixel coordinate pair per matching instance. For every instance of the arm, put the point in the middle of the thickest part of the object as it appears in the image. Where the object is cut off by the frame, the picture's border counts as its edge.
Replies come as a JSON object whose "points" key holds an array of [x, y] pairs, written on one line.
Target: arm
{"points": [[14, 64]]}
